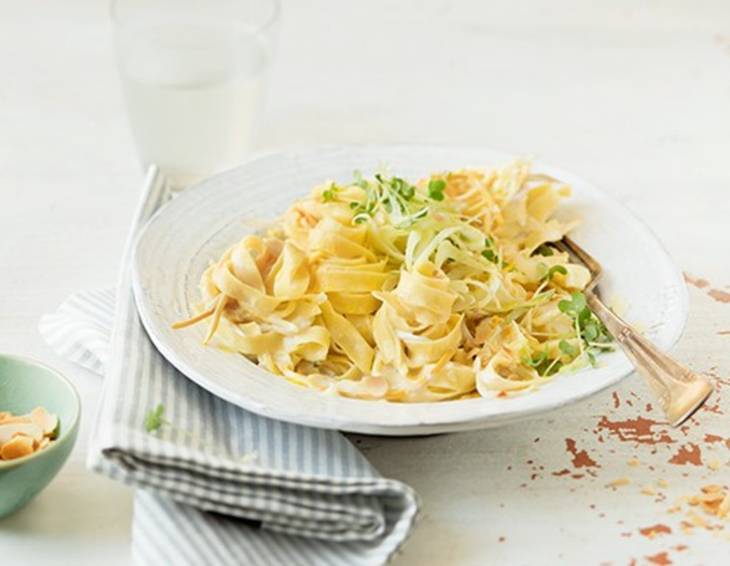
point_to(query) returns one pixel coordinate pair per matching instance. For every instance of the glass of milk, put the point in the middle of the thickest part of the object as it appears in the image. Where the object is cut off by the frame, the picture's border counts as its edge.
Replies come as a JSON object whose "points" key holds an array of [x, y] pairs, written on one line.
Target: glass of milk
{"points": [[193, 74]]}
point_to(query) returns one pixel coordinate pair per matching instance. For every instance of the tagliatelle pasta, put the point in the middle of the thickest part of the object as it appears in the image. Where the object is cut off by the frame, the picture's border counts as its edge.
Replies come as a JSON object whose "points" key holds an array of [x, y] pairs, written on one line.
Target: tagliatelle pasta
{"points": [[382, 289]]}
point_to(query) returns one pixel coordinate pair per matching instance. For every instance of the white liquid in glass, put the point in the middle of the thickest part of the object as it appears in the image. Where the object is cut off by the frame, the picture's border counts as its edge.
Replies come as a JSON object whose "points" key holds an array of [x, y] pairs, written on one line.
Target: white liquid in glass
{"points": [[193, 95]]}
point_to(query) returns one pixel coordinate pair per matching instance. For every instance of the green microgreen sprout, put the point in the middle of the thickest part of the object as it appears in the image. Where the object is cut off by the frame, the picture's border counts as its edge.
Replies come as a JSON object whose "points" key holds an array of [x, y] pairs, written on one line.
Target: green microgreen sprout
{"points": [[155, 419], [568, 349], [544, 250], [542, 364], [329, 194], [436, 189], [396, 196], [593, 334], [490, 253], [553, 270]]}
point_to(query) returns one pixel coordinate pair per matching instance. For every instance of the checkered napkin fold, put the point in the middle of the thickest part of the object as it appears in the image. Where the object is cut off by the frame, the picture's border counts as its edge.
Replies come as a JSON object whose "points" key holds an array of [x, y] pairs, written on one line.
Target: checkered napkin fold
{"points": [[217, 484]]}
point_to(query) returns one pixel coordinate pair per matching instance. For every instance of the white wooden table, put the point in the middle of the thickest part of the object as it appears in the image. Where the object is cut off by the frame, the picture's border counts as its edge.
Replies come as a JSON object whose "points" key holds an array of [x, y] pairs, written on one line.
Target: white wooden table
{"points": [[631, 94]]}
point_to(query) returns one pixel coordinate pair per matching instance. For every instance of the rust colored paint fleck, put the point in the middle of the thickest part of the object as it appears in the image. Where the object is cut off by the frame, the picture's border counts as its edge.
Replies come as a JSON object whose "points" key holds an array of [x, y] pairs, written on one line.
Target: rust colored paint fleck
{"points": [[577, 476], [696, 281], [639, 430], [712, 408], [719, 295], [687, 454], [660, 559], [563, 472], [654, 530], [681, 547], [580, 459], [648, 408], [616, 400]]}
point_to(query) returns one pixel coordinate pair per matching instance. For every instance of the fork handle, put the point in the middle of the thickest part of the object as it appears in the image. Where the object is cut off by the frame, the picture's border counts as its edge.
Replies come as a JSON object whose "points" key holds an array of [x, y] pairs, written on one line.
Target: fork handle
{"points": [[680, 390]]}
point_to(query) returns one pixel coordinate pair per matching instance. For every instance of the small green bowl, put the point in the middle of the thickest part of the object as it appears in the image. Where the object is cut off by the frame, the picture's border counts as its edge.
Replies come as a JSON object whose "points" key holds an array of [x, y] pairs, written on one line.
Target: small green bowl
{"points": [[25, 384]]}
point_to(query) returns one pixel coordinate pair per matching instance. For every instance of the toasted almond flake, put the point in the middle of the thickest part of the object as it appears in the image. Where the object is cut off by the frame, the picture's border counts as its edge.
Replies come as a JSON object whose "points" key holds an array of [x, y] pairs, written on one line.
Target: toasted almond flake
{"points": [[710, 509], [724, 508], [711, 488], [17, 447], [662, 483], [696, 520], [9, 430], [16, 419], [694, 500], [711, 497], [633, 462], [22, 432], [648, 490], [44, 420], [619, 482]]}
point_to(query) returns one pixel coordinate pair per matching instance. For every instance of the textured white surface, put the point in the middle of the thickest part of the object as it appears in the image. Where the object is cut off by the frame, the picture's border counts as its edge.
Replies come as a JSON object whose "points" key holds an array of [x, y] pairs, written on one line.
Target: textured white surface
{"points": [[168, 264], [631, 94]]}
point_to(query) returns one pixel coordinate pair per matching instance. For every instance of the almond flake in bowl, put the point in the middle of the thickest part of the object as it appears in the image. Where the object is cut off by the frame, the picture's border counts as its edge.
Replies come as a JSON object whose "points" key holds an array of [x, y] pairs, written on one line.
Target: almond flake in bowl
{"points": [[22, 435]]}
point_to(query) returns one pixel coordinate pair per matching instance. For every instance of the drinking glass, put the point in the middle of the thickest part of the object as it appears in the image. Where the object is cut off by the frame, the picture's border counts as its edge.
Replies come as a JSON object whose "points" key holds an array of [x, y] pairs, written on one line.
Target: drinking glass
{"points": [[193, 74]]}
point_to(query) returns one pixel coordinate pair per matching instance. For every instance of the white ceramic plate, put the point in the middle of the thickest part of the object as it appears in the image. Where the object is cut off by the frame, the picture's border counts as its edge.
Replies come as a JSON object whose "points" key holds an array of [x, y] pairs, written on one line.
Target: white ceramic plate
{"points": [[196, 227]]}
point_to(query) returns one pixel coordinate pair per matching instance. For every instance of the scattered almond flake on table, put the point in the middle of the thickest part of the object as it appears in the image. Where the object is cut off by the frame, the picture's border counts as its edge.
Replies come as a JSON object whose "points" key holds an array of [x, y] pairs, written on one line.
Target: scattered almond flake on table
{"points": [[713, 500], [22, 435], [634, 462], [618, 482], [662, 483], [648, 490]]}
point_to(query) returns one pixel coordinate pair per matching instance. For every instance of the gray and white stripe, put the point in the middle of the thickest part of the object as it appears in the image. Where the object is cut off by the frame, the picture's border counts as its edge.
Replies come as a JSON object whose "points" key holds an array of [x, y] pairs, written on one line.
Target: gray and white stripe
{"points": [[219, 485]]}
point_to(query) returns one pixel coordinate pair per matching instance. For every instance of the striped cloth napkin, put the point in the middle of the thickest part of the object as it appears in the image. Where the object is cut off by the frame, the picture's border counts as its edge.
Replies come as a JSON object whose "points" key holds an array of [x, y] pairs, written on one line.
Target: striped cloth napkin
{"points": [[217, 484]]}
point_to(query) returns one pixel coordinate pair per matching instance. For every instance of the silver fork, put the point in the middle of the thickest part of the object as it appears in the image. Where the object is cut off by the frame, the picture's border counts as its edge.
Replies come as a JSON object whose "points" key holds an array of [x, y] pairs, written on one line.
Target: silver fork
{"points": [[680, 390]]}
